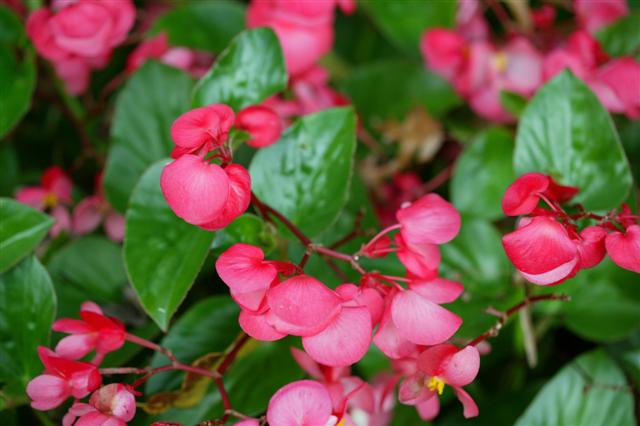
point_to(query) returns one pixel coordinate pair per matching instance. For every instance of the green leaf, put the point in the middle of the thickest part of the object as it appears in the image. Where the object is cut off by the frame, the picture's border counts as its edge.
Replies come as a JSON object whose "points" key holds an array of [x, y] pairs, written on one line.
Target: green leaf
{"points": [[17, 71], [482, 173], [27, 309], [145, 109], [513, 102], [370, 89], [247, 72], [564, 401], [90, 268], [622, 38], [404, 22], [8, 170], [306, 174], [605, 303], [247, 229], [476, 258], [567, 133], [211, 25], [163, 254], [21, 229], [211, 325]]}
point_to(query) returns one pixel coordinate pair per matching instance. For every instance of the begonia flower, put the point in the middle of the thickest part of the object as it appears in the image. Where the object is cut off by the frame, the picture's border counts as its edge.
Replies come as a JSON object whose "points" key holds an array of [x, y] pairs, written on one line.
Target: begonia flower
{"points": [[624, 248], [201, 129], [111, 405], [238, 199], [262, 123], [429, 220], [301, 403], [594, 15], [95, 209], [62, 378]]}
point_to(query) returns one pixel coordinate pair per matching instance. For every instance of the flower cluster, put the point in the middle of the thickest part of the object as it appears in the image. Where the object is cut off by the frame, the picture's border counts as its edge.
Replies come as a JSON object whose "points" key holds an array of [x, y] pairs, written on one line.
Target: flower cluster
{"points": [[480, 71], [54, 195], [79, 35], [195, 63], [203, 193], [65, 377], [337, 326], [549, 247]]}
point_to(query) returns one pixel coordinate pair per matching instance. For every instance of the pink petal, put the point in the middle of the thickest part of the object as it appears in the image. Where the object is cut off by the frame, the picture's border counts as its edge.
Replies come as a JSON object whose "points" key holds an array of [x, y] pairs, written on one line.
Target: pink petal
{"points": [[202, 127], [32, 196], [470, 407], [243, 269], [443, 51], [389, 340], [262, 123], [522, 196], [98, 419], [554, 276], [307, 364], [304, 302], [76, 346], [301, 403], [413, 390], [457, 367], [368, 297], [624, 248], [257, 327], [196, 190], [438, 290], [56, 180], [115, 399], [68, 325], [421, 261], [114, 226], [47, 392], [90, 307], [541, 247], [429, 220], [239, 197], [344, 342], [429, 409], [86, 216], [421, 321], [62, 218], [591, 247]]}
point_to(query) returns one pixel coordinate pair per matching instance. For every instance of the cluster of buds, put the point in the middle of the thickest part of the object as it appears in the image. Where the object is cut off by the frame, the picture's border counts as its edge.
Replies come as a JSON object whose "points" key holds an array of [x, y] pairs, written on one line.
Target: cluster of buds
{"points": [[54, 195], [65, 376], [549, 247], [200, 191]]}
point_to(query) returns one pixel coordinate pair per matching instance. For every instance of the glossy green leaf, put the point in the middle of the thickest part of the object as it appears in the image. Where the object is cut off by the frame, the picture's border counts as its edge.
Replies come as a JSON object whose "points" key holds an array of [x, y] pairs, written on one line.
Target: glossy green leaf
{"points": [[90, 268], [513, 102], [622, 38], [162, 253], [306, 174], [565, 401], [605, 303], [211, 25], [247, 72], [391, 88], [21, 229], [476, 258], [404, 22], [247, 229], [145, 109], [17, 71], [482, 173], [211, 325], [567, 133], [27, 309]]}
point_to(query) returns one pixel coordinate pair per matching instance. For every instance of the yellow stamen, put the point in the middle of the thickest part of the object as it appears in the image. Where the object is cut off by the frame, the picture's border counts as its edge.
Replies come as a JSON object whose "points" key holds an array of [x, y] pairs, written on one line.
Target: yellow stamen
{"points": [[341, 423], [436, 384], [500, 61], [50, 200]]}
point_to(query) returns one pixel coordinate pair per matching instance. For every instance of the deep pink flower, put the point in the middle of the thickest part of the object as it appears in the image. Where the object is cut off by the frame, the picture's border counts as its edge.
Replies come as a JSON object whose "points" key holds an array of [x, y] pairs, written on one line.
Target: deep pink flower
{"points": [[624, 248], [238, 200], [622, 77], [196, 190], [77, 36], [542, 251], [262, 123], [591, 246], [470, 21], [54, 189], [429, 220], [93, 210], [522, 196], [444, 51], [388, 338], [201, 129], [242, 267], [94, 331], [594, 15], [369, 297], [62, 379], [111, 405], [544, 16], [421, 261], [301, 403]]}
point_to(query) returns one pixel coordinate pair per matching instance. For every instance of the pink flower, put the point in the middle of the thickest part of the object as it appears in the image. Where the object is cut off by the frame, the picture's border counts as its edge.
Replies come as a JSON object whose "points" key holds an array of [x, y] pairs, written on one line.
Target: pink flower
{"points": [[305, 29], [622, 77], [78, 36], [594, 15], [542, 251], [55, 188], [111, 405], [523, 195], [470, 21], [262, 123], [421, 261], [624, 248], [591, 246], [429, 220], [201, 129], [62, 379], [238, 200], [444, 51], [439, 366], [93, 210], [301, 403], [94, 331]]}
